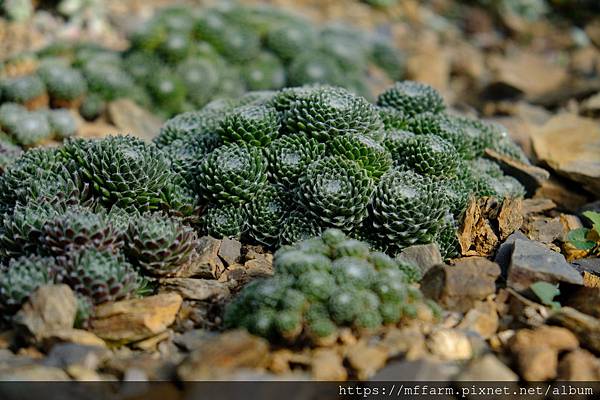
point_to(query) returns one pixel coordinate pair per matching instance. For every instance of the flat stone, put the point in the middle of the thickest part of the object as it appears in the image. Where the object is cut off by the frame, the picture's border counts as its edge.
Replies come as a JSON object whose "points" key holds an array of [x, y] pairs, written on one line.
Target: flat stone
{"points": [[230, 251], [579, 365], [206, 263], [591, 265], [75, 336], [586, 300], [487, 368], [132, 320], [195, 289], [530, 176], [532, 262], [49, 308], [505, 250], [129, 117], [259, 266], [585, 327], [327, 365], [570, 145], [458, 287], [219, 356], [67, 354], [424, 256], [536, 206], [366, 360], [449, 345]]}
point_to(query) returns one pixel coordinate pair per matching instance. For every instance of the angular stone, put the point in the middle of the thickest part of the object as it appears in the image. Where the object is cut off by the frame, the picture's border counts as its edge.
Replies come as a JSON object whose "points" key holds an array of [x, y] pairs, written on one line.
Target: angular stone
{"points": [[221, 355], [505, 250], [532, 262], [585, 327], [67, 354], [195, 289], [192, 339], [409, 342], [570, 144], [449, 345], [487, 368], [458, 287], [49, 308], [579, 365], [206, 263], [230, 251], [536, 206], [424, 256], [132, 320], [366, 360], [260, 266], [327, 365]]}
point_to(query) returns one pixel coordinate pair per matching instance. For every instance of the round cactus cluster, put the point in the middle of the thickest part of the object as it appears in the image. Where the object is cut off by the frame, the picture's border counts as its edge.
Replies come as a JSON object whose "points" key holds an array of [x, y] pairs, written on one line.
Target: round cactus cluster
{"points": [[281, 166], [101, 216], [325, 283]]}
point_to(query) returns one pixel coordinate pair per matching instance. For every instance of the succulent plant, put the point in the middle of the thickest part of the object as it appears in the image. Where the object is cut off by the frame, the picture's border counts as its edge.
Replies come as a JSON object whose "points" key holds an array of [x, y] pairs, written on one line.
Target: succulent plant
{"points": [[22, 230], [264, 72], [224, 220], [76, 228], [329, 112], [412, 98], [100, 275], [428, 155], [308, 67], [23, 90], [9, 153], [21, 278], [62, 123], [298, 226], [447, 239], [369, 154], [175, 47], [31, 128], [64, 84], [253, 125], [122, 170], [201, 77], [10, 114], [392, 118], [108, 81], [92, 106], [312, 294], [232, 174], [190, 124], [266, 214], [290, 155], [387, 57], [337, 191], [406, 209], [168, 91], [288, 40], [159, 245], [445, 127]]}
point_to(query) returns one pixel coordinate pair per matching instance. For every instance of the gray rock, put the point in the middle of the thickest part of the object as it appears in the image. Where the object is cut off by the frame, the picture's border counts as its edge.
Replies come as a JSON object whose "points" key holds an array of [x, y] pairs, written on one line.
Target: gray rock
{"points": [[49, 308], [424, 256], [591, 265], [65, 355], [419, 370], [459, 287], [34, 372], [206, 263], [192, 339], [530, 176], [195, 289], [505, 251], [230, 251], [532, 262]]}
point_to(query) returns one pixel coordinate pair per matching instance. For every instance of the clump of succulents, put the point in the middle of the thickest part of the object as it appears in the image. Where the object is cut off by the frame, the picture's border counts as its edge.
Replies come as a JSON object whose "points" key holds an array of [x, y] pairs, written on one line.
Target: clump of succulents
{"points": [[325, 283], [78, 209], [305, 159]]}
